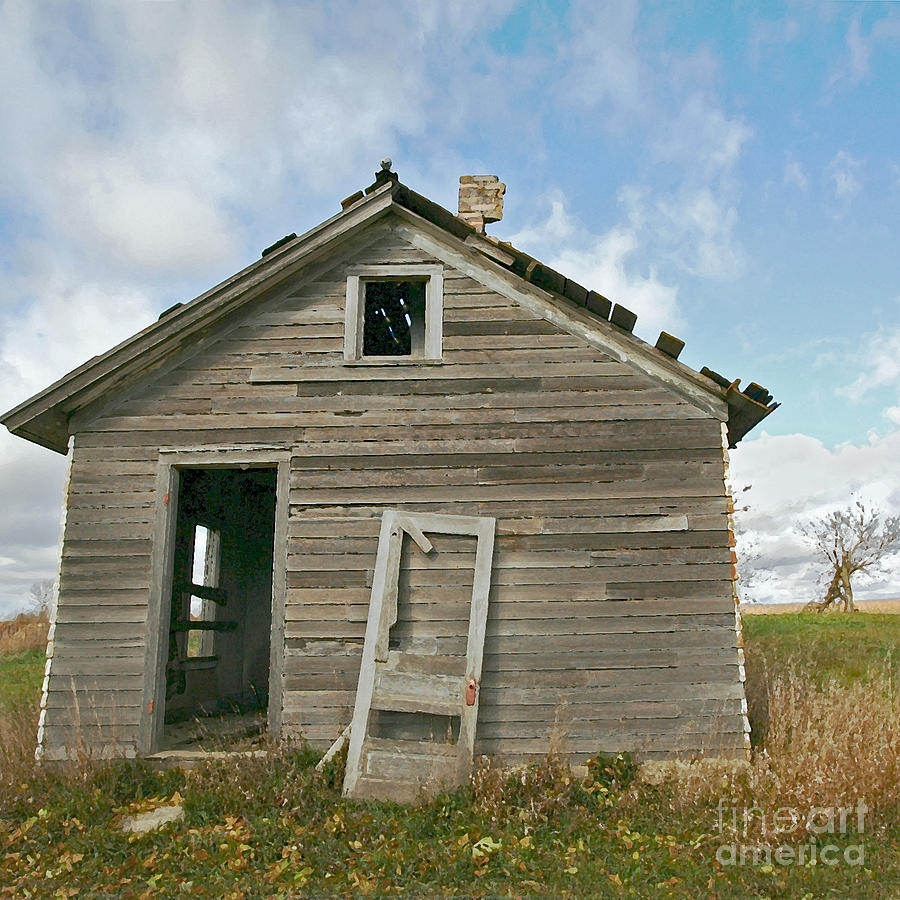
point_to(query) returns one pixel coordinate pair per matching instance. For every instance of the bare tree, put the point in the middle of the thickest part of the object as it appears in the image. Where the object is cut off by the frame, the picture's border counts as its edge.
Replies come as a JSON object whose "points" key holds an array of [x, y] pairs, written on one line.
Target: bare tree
{"points": [[753, 574], [41, 595], [854, 539]]}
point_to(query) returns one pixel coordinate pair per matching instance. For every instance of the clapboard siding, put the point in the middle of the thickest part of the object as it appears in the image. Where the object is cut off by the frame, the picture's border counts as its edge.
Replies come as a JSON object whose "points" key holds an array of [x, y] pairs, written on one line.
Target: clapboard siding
{"points": [[611, 615]]}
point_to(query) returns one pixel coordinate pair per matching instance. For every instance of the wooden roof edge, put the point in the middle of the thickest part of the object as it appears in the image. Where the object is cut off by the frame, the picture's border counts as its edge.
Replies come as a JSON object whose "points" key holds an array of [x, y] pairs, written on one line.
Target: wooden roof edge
{"points": [[746, 409], [576, 319], [202, 311], [618, 327], [39, 418]]}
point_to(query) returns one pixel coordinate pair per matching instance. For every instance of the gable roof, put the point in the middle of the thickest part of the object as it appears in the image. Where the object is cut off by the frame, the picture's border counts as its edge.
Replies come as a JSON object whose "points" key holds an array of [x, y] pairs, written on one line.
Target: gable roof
{"points": [[44, 418]]}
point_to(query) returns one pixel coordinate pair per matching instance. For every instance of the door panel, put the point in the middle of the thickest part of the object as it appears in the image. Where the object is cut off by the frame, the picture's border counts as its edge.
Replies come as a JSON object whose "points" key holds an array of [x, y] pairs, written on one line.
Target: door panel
{"points": [[425, 701]]}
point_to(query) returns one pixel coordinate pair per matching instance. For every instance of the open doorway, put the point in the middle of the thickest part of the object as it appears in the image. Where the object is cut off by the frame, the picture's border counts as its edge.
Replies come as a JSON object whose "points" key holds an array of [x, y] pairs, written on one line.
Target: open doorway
{"points": [[220, 622]]}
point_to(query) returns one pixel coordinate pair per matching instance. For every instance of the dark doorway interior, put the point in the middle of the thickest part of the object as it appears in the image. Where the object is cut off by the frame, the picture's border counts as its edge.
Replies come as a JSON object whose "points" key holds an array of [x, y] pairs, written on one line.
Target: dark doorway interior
{"points": [[217, 671]]}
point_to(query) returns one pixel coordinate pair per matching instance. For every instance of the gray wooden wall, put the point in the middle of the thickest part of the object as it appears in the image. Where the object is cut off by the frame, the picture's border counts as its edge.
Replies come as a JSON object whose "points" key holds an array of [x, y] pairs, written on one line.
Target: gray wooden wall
{"points": [[611, 613]]}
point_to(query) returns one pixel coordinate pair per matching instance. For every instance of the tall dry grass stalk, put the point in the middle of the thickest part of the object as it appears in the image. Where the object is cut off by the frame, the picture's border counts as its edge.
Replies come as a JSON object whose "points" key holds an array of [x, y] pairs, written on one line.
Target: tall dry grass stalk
{"points": [[83, 761], [27, 631], [18, 731], [832, 747], [823, 747]]}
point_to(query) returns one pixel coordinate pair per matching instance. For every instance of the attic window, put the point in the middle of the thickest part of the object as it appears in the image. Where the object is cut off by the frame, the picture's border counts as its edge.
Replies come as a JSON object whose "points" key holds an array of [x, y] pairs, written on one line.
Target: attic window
{"points": [[394, 318], [393, 314]]}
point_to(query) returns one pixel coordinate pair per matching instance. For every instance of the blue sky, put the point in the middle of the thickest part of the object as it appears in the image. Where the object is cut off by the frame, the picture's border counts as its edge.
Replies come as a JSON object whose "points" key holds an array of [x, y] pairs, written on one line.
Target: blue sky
{"points": [[730, 172]]}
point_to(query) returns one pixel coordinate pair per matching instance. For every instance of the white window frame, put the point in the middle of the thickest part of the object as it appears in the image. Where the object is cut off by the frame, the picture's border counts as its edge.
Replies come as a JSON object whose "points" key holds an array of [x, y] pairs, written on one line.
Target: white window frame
{"points": [[211, 562], [357, 278]]}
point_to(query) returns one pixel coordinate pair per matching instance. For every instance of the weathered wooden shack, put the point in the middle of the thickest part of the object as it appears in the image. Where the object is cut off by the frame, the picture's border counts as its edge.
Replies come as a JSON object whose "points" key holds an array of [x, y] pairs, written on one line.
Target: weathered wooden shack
{"points": [[230, 467]]}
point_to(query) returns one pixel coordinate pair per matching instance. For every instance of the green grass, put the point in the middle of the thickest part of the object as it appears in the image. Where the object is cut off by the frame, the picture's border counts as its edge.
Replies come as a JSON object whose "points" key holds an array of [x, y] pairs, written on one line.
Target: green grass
{"points": [[21, 675], [279, 830], [276, 828], [845, 647]]}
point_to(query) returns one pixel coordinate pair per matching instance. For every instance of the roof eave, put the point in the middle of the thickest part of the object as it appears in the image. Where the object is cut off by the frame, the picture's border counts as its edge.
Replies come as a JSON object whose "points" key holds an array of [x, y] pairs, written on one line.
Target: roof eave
{"points": [[744, 411], [744, 414], [43, 418], [31, 418]]}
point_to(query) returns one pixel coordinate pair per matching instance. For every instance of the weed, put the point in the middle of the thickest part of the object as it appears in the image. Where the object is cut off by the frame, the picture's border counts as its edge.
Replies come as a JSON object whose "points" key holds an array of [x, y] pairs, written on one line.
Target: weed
{"points": [[539, 792], [333, 771], [19, 708], [824, 746], [26, 633]]}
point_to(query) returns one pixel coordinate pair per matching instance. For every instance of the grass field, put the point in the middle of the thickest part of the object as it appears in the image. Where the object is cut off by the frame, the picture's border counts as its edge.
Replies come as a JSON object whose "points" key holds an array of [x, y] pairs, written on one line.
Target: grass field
{"points": [[275, 828], [20, 678], [848, 647]]}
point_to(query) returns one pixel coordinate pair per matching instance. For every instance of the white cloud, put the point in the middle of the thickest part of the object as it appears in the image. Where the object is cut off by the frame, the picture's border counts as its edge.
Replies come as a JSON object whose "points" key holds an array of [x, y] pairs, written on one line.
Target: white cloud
{"points": [[153, 134], [858, 53], [772, 33], [855, 66], [555, 231], [698, 134], [689, 231], [31, 489], [157, 225], [695, 227], [879, 360], [668, 102], [795, 478], [672, 97], [605, 65], [794, 175], [609, 263], [843, 171], [66, 322], [611, 68], [606, 264]]}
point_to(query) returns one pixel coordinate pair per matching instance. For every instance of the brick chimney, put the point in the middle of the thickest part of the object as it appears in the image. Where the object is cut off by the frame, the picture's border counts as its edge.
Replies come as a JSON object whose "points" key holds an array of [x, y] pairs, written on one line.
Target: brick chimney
{"points": [[480, 200]]}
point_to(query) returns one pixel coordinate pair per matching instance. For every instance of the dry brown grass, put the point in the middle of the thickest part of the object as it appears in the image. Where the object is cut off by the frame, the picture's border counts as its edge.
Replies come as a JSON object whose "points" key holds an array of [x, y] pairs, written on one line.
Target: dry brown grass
{"points": [[869, 606], [824, 747], [18, 730], [832, 747], [27, 631]]}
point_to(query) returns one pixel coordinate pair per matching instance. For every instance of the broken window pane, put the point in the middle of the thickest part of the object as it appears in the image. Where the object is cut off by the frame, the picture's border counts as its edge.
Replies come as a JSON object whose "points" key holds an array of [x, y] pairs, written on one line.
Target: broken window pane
{"points": [[204, 573], [198, 566], [394, 318]]}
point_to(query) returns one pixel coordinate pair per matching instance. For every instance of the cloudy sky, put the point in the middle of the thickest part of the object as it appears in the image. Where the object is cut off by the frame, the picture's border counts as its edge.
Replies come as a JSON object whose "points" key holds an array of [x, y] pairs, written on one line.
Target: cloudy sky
{"points": [[731, 173]]}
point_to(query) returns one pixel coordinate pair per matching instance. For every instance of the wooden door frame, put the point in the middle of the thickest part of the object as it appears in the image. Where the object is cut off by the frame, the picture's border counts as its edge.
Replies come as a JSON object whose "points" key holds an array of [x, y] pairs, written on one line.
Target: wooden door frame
{"points": [[383, 607], [171, 462]]}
